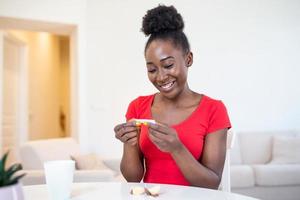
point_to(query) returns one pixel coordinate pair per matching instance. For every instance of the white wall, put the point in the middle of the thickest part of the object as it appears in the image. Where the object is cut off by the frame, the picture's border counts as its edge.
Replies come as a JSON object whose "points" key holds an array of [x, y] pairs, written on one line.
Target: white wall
{"points": [[246, 53], [64, 11]]}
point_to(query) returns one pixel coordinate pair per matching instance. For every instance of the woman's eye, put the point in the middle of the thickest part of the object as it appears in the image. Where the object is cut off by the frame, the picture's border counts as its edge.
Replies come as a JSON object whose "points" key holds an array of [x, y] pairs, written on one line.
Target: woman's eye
{"points": [[169, 66], [151, 70]]}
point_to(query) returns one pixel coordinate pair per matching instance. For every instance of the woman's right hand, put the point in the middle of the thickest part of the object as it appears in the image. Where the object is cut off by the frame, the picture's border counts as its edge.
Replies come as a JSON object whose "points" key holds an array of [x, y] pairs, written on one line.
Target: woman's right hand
{"points": [[127, 133]]}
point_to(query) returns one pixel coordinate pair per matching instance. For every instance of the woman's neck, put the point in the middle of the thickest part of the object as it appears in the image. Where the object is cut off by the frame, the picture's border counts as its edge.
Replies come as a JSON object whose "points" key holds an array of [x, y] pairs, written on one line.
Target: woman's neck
{"points": [[181, 100]]}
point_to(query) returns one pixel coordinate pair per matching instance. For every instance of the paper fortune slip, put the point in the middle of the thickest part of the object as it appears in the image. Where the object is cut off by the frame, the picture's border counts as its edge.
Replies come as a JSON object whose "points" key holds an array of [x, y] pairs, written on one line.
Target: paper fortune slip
{"points": [[145, 122]]}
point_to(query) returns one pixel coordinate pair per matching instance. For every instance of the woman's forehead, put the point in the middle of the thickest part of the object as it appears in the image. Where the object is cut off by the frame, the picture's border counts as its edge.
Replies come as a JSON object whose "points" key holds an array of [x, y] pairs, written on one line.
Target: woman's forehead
{"points": [[161, 49]]}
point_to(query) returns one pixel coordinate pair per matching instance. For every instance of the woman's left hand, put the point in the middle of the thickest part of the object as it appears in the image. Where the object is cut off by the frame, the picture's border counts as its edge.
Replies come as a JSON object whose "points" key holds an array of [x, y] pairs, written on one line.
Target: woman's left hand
{"points": [[164, 137]]}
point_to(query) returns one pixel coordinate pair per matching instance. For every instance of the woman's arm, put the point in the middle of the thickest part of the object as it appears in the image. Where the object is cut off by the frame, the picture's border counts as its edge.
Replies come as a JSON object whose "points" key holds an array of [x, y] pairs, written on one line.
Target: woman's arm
{"points": [[204, 173], [132, 165], [208, 171]]}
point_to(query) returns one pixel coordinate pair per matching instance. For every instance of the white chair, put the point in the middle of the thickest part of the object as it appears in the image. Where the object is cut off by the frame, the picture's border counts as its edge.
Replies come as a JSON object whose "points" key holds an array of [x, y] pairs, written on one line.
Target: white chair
{"points": [[225, 181]]}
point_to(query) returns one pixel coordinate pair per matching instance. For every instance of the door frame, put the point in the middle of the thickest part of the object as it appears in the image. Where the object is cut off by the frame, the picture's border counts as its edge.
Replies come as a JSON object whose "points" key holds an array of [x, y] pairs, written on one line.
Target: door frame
{"points": [[76, 32], [22, 102]]}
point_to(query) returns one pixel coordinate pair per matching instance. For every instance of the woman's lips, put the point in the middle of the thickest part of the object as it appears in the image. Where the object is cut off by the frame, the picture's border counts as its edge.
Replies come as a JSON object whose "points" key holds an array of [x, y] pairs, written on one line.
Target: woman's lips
{"points": [[167, 86]]}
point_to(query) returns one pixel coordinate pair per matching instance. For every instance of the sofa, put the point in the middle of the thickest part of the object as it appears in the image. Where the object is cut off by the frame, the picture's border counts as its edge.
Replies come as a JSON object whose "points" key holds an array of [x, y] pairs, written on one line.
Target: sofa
{"points": [[34, 153], [266, 165]]}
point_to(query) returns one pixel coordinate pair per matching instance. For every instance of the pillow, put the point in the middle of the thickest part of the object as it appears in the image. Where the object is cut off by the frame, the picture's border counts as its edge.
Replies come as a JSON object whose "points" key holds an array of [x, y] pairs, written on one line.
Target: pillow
{"points": [[286, 150], [88, 162]]}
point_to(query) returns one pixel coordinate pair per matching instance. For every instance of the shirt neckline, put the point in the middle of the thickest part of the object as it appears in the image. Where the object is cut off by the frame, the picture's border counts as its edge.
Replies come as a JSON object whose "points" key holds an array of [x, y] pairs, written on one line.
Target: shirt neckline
{"points": [[184, 120]]}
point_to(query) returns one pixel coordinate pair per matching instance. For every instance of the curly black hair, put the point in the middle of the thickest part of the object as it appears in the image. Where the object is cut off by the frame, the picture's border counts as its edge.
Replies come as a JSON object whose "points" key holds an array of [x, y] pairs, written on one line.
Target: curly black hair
{"points": [[164, 22]]}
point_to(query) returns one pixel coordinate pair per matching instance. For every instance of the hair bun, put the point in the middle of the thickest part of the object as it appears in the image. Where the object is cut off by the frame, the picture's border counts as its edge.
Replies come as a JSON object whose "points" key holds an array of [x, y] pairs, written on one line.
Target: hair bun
{"points": [[162, 19]]}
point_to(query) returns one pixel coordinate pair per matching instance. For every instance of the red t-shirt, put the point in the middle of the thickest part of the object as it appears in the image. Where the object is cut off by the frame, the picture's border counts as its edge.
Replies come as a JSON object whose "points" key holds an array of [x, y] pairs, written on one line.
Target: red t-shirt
{"points": [[208, 117]]}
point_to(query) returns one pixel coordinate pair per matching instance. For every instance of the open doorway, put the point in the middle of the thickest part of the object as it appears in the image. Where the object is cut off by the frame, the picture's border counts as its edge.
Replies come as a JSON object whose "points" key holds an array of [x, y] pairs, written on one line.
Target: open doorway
{"points": [[44, 84], [48, 83]]}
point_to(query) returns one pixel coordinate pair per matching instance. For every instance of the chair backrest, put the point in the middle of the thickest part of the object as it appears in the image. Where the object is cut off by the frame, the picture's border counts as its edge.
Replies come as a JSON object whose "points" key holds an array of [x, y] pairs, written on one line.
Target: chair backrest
{"points": [[225, 181]]}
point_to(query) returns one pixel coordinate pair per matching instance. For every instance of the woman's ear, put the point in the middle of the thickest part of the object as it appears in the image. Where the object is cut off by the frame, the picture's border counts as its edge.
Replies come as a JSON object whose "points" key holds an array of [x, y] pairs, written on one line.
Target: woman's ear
{"points": [[189, 59]]}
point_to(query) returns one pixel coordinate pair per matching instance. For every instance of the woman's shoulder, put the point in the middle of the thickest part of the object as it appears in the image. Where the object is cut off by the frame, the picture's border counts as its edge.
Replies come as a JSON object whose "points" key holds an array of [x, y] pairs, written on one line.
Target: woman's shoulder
{"points": [[139, 107], [141, 100], [211, 102], [216, 113], [210, 99]]}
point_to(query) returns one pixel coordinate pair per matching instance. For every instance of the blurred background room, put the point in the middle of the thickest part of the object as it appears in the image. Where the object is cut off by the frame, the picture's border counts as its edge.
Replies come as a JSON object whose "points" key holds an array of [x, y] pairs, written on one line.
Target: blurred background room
{"points": [[70, 68]]}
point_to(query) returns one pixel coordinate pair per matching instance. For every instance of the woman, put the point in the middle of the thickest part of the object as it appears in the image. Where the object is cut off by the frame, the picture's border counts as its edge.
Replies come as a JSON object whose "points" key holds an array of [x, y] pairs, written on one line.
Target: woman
{"points": [[187, 144]]}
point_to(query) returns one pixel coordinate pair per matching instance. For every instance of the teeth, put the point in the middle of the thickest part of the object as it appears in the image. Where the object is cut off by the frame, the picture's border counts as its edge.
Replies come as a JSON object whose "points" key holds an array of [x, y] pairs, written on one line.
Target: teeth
{"points": [[166, 86]]}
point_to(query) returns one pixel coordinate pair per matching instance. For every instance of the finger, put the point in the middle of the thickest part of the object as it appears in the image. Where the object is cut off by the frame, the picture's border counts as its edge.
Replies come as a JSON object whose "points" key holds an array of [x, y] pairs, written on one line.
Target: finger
{"points": [[159, 127], [161, 124], [124, 130], [133, 141], [161, 145], [157, 134], [155, 139], [118, 127], [127, 124], [126, 136], [119, 134], [130, 135]]}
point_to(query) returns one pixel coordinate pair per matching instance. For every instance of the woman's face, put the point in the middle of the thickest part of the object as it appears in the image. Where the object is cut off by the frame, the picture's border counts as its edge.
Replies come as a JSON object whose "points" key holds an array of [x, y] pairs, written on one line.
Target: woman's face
{"points": [[167, 68]]}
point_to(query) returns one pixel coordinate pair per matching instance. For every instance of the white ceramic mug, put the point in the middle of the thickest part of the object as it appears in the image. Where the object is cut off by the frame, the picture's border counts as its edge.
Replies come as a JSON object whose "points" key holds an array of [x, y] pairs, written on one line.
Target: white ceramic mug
{"points": [[59, 178]]}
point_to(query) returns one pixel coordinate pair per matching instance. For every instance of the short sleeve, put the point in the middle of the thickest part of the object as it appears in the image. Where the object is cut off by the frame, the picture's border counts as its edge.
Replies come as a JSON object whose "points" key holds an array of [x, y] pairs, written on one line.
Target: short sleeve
{"points": [[132, 110], [218, 118]]}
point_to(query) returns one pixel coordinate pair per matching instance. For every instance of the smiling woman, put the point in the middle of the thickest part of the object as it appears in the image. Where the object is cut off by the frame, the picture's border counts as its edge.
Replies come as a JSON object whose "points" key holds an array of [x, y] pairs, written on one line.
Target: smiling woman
{"points": [[186, 145]]}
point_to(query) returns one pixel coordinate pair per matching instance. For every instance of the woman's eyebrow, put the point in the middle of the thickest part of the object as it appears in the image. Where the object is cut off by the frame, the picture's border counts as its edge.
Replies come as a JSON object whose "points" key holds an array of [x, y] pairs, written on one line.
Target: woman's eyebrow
{"points": [[163, 59], [149, 63]]}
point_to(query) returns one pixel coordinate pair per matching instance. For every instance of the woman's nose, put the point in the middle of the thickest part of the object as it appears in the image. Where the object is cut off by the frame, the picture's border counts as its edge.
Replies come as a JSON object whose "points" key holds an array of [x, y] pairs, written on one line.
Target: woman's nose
{"points": [[161, 76]]}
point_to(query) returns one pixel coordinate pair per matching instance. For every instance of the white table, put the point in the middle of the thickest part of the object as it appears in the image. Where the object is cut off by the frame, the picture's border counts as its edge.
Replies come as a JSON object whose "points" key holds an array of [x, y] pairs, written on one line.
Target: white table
{"points": [[121, 191]]}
